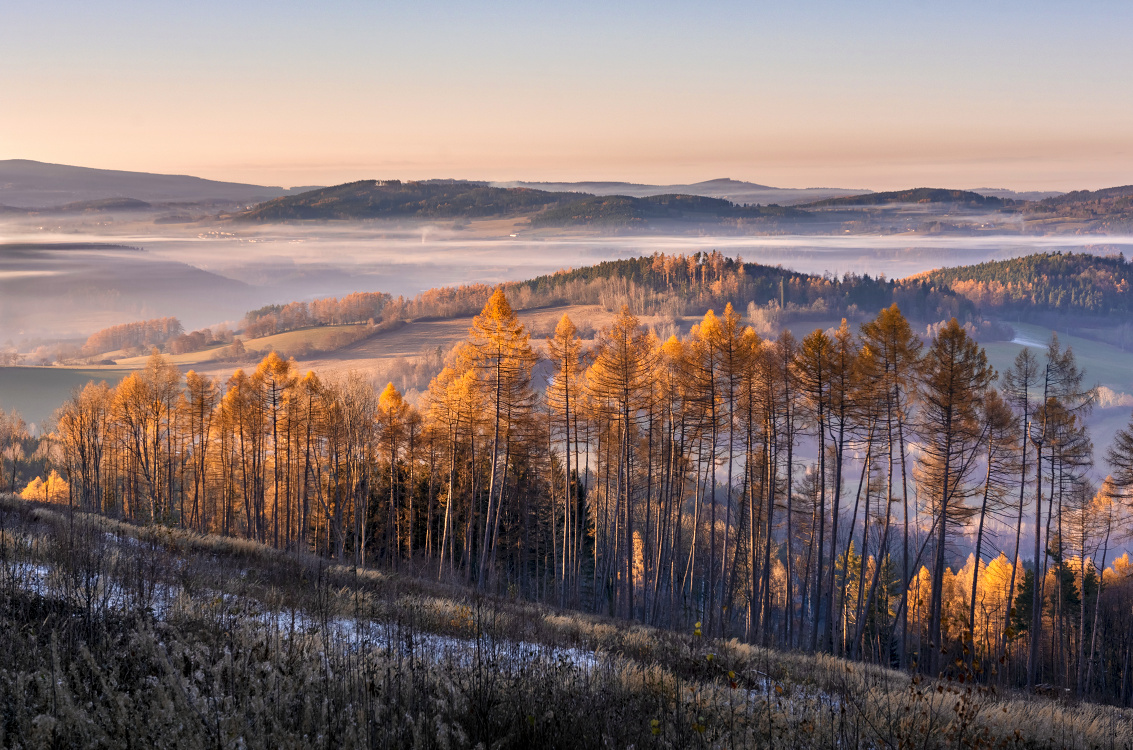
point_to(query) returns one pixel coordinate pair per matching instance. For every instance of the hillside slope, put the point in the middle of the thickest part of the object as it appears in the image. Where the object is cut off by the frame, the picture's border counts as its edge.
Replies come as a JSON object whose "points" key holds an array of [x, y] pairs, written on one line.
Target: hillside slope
{"points": [[32, 184], [394, 199], [124, 635], [736, 191], [964, 198], [1065, 283]]}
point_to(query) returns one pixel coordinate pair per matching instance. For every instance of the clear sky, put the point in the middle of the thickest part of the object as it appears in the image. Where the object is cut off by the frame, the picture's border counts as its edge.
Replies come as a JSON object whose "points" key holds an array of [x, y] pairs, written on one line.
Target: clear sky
{"points": [[857, 93]]}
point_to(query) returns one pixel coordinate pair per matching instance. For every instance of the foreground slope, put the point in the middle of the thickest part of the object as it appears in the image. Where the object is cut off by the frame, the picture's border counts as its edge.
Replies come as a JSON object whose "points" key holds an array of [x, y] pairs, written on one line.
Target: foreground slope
{"points": [[131, 636]]}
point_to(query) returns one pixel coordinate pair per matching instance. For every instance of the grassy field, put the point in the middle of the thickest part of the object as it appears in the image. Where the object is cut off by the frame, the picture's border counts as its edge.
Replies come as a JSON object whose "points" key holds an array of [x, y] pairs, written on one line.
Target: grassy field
{"points": [[1104, 364], [377, 354], [37, 391]]}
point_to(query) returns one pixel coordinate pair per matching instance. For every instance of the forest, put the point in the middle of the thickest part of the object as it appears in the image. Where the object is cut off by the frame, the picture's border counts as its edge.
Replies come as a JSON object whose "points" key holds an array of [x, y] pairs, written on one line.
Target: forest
{"points": [[964, 198], [922, 210], [861, 493], [1072, 285], [673, 286], [691, 284], [372, 199], [1114, 205], [144, 333], [626, 211]]}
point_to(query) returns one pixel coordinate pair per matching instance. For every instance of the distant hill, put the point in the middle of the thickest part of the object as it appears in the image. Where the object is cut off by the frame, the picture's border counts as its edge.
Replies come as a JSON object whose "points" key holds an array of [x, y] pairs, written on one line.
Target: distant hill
{"points": [[32, 184], [963, 198], [1017, 195], [628, 211], [736, 191], [108, 205], [394, 199], [1105, 196], [450, 199]]}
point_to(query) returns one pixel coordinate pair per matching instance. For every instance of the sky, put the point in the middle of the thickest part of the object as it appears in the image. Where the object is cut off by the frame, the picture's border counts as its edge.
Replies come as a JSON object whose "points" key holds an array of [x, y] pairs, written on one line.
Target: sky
{"points": [[872, 94]]}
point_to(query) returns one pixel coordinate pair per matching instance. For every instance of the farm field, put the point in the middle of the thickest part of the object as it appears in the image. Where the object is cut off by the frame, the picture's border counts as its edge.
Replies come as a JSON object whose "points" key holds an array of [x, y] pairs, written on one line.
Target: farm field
{"points": [[37, 391], [1104, 364]]}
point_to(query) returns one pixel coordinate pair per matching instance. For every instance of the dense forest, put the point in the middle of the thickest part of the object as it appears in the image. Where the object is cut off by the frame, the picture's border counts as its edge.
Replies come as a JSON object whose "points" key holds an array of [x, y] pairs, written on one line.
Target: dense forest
{"points": [[143, 333], [379, 199], [1090, 202], [359, 307], [451, 199], [693, 283], [964, 198], [904, 210], [1069, 284], [805, 493], [626, 211]]}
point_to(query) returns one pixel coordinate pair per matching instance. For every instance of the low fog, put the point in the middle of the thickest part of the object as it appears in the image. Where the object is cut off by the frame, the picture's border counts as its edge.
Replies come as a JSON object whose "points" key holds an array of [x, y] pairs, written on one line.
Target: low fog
{"points": [[68, 281]]}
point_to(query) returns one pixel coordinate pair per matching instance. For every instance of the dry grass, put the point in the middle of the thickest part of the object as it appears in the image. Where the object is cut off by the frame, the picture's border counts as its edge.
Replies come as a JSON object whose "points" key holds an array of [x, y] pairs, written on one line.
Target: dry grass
{"points": [[246, 648]]}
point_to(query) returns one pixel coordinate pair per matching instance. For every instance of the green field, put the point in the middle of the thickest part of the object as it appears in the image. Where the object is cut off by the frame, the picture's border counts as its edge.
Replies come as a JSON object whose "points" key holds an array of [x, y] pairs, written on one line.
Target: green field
{"points": [[36, 392], [1104, 365]]}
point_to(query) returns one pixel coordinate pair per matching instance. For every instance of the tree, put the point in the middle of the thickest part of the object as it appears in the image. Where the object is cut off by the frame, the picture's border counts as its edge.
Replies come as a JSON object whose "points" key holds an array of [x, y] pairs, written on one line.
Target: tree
{"points": [[956, 377], [1018, 384], [1001, 455], [82, 425], [893, 356], [814, 366], [501, 354], [617, 379], [564, 350], [1063, 398], [393, 423]]}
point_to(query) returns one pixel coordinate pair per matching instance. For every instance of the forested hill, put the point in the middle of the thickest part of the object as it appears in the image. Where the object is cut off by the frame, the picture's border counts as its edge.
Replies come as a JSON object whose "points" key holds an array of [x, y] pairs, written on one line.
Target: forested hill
{"points": [[1064, 283], [1123, 193], [691, 284], [394, 199], [963, 198], [451, 199], [1108, 206], [627, 211]]}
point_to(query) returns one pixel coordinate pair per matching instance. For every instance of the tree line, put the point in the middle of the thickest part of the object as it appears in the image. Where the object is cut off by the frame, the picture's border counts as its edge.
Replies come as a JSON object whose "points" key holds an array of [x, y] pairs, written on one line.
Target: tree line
{"points": [[1067, 284], [357, 307], [812, 493], [142, 333]]}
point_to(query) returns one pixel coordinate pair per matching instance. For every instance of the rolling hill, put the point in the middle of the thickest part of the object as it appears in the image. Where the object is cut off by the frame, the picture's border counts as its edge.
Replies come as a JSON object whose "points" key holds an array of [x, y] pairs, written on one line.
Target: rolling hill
{"points": [[1104, 209], [454, 199], [736, 191], [922, 195], [32, 184], [1067, 284], [626, 211], [394, 199]]}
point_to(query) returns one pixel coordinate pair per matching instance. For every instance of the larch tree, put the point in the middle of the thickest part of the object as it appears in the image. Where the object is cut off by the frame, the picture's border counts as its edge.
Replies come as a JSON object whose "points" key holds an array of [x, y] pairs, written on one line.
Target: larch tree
{"points": [[501, 353], [956, 378], [896, 353], [814, 365], [618, 378], [1002, 451], [564, 351]]}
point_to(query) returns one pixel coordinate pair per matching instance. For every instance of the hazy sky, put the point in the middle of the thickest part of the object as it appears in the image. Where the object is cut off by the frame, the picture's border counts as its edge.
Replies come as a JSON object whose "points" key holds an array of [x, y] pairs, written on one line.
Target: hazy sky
{"points": [[864, 93]]}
